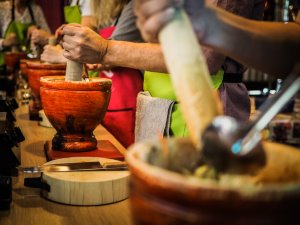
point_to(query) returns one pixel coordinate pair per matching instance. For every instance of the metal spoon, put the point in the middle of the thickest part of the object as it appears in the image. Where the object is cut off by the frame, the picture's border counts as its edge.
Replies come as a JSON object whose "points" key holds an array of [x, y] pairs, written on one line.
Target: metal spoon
{"points": [[234, 147]]}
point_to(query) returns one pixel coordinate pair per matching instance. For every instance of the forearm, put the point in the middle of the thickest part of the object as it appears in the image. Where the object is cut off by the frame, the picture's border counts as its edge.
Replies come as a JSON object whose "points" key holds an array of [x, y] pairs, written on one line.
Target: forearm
{"points": [[142, 56], [270, 47]]}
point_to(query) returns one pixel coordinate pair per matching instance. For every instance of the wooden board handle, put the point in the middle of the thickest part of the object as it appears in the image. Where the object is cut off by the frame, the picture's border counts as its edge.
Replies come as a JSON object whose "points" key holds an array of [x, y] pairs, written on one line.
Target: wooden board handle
{"points": [[189, 74]]}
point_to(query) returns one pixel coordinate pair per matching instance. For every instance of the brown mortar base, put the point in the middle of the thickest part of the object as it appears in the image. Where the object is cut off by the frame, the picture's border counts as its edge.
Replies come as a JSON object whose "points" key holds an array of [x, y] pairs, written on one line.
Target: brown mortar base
{"points": [[105, 149]]}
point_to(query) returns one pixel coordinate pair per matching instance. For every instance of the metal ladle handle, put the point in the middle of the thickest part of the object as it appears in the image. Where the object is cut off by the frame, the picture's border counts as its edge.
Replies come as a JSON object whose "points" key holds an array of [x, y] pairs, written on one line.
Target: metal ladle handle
{"points": [[268, 111]]}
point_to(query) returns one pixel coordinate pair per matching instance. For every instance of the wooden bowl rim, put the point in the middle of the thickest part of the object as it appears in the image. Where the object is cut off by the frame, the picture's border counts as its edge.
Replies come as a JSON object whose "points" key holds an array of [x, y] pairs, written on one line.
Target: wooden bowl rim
{"points": [[59, 83], [15, 53], [177, 182], [36, 64]]}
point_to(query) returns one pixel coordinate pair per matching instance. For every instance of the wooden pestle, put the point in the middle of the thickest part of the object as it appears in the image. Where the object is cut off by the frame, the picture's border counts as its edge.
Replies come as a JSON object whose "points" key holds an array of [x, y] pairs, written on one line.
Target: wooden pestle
{"points": [[74, 69], [189, 74], [52, 41], [200, 102]]}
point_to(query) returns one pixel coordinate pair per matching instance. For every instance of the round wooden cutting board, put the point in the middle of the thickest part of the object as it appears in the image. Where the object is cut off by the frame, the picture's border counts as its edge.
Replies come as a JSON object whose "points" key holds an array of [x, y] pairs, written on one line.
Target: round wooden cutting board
{"points": [[88, 187]]}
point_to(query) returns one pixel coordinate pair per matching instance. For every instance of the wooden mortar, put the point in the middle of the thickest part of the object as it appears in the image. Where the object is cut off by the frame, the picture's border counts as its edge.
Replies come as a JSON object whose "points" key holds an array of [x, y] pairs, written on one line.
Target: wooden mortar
{"points": [[162, 197], [23, 67], [12, 60], [36, 70], [75, 109]]}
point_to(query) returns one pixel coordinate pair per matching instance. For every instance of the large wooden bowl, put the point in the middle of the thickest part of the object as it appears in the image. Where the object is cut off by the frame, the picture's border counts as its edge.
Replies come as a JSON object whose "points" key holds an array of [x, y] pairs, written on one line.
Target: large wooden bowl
{"points": [[75, 109], [36, 70], [160, 196], [23, 66], [12, 60]]}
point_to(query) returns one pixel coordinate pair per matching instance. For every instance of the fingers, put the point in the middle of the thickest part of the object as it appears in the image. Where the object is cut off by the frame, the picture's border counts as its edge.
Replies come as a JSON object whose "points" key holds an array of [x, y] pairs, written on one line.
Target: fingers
{"points": [[151, 27], [53, 54], [152, 15], [68, 45], [58, 30], [66, 29]]}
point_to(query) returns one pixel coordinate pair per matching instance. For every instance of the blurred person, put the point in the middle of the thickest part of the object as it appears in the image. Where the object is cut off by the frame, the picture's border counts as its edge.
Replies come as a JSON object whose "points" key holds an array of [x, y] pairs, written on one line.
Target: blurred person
{"points": [[271, 47], [83, 46], [116, 22], [77, 11], [17, 18]]}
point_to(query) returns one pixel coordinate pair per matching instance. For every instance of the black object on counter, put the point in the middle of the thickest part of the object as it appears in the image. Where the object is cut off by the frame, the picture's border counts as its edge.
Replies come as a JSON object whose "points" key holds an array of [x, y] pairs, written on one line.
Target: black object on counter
{"points": [[9, 137], [5, 192]]}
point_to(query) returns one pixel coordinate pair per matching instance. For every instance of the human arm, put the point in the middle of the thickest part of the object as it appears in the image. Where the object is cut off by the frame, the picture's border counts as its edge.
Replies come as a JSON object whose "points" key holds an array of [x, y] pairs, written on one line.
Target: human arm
{"points": [[84, 45], [269, 47]]}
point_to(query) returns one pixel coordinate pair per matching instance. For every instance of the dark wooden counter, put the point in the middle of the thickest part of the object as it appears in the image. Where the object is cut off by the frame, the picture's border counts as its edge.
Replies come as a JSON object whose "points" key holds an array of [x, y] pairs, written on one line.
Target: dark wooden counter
{"points": [[29, 208]]}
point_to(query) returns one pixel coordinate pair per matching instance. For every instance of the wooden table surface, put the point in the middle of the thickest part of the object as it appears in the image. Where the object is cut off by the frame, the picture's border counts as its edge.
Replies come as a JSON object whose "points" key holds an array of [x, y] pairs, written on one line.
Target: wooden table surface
{"points": [[29, 208]]}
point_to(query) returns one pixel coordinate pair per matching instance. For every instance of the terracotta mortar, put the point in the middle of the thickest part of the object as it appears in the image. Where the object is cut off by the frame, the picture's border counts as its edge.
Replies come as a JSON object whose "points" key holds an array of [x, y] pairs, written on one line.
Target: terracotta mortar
{"points": [[36, 70], [23, 67], [12, 60], [160, 196], [75, 109]]}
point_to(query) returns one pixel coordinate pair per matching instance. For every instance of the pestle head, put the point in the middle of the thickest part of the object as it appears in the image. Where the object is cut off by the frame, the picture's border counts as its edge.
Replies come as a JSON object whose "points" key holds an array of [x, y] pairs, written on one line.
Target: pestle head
{"points": [[73, 71], [218, 140]]}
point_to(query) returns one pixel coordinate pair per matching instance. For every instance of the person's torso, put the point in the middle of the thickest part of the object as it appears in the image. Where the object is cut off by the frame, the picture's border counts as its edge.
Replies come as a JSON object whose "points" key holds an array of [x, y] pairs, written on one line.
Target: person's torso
{"points": [[126, 29]]}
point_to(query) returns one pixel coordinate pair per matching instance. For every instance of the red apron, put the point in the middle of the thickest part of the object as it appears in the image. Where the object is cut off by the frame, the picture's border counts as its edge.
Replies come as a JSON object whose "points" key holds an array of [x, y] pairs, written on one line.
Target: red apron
{"points": [[119, 119]]}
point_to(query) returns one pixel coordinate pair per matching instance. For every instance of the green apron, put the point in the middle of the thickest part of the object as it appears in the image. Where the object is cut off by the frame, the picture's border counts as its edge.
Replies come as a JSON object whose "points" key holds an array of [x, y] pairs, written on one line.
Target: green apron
{"points": [[159, 85], [72, 13]]}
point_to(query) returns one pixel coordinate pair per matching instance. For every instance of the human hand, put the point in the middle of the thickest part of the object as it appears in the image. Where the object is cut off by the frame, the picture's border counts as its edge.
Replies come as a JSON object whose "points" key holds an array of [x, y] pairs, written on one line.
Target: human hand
{"points": [[82, 44], [30, 29], [39, 37], [53, 54], [153, 15], [10, 40]]}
